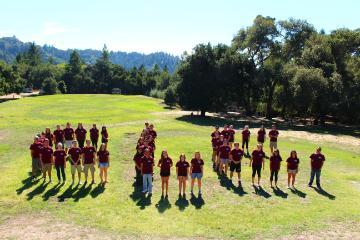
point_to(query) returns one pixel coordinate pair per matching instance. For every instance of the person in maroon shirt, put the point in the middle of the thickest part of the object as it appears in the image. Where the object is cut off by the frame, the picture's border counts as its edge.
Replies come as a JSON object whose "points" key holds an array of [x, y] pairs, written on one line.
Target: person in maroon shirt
{"points": [[292, 167], [104, 162], [275, 161], [235, 161], [216, 131], [152, 131], [147, 146], [261, 135], [316, 161], [104, 135], [273, 135], [46, 157], [80, 134], [245, 138], [257, 162], [49, 136], [59, 135], [69, 136], [220, 142], [225, 132], [94, 136], [196, 171], [165, 163], [182, 172], [224, 156], [88, 161], [75, 154], [60, 163], [147, 166], [137, 160], [215, 144], [35, 148], [231, 135], [140, 143]]}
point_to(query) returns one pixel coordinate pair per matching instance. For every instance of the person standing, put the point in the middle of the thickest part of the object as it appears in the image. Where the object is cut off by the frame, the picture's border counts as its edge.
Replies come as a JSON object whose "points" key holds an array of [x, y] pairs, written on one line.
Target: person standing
{"points": [[246, 138], [292, 167], [47, 159], [224, 156], [273, 135], [137, 160], [104, 135], [316, 161], [261, 135], [196, 171], [215, 143], [59, 135], [225, 132], [60, 163], [165, 163], [80, 133], [49, 136], [69, 136], [216, 131], [104, 163], [231, 135], [235, 161], [35, 149], [89, 157], [147, 166], [75, 154], [182, 171], [275, 161], [257, 162], [94, 136]]}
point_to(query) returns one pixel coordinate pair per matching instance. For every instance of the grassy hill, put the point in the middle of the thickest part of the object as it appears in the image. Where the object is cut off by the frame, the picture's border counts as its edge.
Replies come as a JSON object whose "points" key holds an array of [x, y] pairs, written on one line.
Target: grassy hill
{"points": [[120, 210]]}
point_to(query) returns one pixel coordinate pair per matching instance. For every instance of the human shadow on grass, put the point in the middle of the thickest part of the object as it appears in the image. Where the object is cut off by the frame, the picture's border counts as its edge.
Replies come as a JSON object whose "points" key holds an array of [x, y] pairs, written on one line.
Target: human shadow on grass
{"points": [[324, 193], [27, 183], [136, 194], [228, 184], [38, 190], [52, 191], [163, 205], [82, 192], [280, 193], [197, 202], [99, 189], [144, 201], [182, 203], [298, 192], [68, 193], [261, 192]]}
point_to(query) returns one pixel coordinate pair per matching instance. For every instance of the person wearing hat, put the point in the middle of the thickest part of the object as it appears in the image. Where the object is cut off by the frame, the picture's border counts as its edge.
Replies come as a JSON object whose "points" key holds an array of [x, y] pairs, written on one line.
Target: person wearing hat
{"points": [[75, 154], [60, 163], [35, 148], [316, 161], [47, 159], [147, 165]]}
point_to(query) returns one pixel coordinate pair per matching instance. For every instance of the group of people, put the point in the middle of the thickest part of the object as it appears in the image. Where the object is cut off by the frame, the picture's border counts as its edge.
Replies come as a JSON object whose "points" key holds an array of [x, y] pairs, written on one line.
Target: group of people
{"points": [[227, 153], [56, 148], [144, 165]]}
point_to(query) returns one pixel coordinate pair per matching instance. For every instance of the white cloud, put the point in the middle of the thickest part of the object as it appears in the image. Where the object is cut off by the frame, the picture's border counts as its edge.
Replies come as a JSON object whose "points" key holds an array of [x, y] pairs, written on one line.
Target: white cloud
{"points": [[54, 28]]}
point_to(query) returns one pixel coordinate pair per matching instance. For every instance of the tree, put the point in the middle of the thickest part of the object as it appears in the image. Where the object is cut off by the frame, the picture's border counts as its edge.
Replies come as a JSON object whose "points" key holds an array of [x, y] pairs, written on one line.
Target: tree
{"points": [[72, 71], [49, 86], [170, 98], [102, 72]]}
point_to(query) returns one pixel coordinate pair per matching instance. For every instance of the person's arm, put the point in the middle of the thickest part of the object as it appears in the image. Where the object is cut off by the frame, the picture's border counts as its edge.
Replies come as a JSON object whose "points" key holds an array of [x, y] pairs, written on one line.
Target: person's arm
{"points": [[41, 162], [191, 167], [177, 172], [94, 158], [159, 163], [202, 169], [231, 158], [141, 168], [187, 172], [263, 163], [250, 161], [83, 158]]}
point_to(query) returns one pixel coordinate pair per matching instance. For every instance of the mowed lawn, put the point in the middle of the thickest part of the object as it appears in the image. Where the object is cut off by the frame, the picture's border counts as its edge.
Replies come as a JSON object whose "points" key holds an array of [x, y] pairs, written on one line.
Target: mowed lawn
{"points": [[119, 208]]}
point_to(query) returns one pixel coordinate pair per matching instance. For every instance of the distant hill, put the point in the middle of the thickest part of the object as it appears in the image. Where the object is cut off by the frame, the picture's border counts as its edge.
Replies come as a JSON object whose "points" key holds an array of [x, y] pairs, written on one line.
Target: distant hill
{"points": [[11, 46]]}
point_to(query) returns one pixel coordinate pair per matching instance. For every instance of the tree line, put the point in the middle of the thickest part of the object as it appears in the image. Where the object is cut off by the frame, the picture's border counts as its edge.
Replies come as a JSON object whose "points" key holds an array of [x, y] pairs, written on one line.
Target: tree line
{"points": [[279, 68]]}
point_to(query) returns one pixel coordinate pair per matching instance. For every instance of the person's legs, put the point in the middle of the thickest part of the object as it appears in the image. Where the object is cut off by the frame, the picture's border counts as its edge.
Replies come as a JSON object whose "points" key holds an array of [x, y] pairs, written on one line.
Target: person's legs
{"points": [[150, 183], [247, 146], [192, 184], [199, 185], [253, 174], [293, 179], [162, 185], [63, 172], [79, 173], [101, 174], [58, 172], [144, 183], [49, 172], [86, 172], [226, 167], [184, 185], [289, 177], [180, 185], [318, 173], [92, 171], [106, 174], [276, 177], [271, 177], [167, 185], [312, 175], [259, 175]]}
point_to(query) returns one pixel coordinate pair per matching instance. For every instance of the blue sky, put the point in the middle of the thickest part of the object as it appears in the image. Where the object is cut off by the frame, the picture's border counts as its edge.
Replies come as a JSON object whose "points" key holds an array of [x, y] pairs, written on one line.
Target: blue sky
{"points": [[158, 25]]}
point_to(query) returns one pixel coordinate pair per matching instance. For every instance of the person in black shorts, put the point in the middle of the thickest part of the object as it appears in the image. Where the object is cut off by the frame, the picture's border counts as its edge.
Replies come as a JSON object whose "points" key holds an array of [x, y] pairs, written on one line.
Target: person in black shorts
{"points": [[165, 163], [235, 161], [182, 170], [257, 162]]}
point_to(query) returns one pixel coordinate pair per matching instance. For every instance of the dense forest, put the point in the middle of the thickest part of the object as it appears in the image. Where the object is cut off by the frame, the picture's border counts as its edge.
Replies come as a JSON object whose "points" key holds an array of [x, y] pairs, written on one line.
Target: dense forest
{"points": [[10, 47], [280, 68]]}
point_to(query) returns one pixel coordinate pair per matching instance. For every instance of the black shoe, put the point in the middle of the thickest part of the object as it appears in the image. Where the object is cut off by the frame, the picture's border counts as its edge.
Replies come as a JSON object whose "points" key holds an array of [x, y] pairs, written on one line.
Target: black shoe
{"points": [[166, 196]]}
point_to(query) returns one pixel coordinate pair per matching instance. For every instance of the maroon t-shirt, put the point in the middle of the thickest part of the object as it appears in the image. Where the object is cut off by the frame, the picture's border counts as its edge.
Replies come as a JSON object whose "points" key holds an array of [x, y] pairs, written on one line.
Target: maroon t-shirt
{"points": [[225, 133], [68, 133], [275, 163], [80, 133], [94, 134], [231, 135], [153, 133], [137, 158], [59, 156], [50, 137], [147, 164], [165, 165], [88, 154], [261, 135], [182, 168], [317, 161], [143, 147], [237, 154], [292, 163], [273, 135], [59, 135], [103, 156], [245, 134], [257, 157], [214, 133], [216, 143], [46, 154], [75, 154], [196, 165], [36, 148], [224, 151]]}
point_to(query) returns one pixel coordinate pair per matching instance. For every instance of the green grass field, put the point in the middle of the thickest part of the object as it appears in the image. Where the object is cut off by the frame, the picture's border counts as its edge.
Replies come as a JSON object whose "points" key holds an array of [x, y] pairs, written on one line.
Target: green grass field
{"points": [[119, 208]]}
